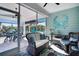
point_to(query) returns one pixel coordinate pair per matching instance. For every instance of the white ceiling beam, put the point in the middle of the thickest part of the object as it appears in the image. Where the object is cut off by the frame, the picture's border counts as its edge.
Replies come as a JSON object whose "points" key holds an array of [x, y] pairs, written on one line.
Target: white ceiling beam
{"points": [[37, 8]]}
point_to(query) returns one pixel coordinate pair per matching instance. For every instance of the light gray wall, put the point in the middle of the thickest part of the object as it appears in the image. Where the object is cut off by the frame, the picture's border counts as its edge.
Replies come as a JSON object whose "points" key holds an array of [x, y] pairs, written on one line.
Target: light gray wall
{"points": [[73, 20]]}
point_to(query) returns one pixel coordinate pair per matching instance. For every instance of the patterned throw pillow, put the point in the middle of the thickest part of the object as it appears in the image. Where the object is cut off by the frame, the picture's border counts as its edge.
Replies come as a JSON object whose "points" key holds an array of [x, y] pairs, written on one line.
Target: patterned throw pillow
{"points": [[42, 36]]}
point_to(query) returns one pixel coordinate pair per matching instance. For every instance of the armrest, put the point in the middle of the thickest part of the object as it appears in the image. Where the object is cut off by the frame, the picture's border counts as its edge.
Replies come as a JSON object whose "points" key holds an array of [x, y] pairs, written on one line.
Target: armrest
{"points": [[47, 37]]}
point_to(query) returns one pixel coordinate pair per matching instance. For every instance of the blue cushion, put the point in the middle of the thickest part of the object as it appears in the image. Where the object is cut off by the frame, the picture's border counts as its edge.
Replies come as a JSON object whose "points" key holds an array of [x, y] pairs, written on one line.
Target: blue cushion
{"points": [[75, 36], [42, 36]]}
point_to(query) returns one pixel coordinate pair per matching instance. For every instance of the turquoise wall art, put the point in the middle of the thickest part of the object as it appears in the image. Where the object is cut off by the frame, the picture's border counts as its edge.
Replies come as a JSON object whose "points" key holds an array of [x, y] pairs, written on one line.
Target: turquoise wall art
{"points": [[64, 21], [60, 22]]}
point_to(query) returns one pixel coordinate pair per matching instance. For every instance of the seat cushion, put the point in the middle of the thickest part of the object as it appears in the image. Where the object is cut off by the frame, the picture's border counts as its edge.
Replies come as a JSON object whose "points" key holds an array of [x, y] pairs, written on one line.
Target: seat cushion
{"points": [[74, 48], [73, 39], [75, 36], [37, 36], [40, 43]]}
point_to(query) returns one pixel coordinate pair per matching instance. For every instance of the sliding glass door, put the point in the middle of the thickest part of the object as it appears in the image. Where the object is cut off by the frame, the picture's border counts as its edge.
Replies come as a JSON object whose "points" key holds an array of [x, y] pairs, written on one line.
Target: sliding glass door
{"points": [[8, 28]]}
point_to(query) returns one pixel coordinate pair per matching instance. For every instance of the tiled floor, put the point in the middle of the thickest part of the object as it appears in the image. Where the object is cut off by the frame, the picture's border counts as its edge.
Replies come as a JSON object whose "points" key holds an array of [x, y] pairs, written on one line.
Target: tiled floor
{"points": [[11, 45], [24, 43]]}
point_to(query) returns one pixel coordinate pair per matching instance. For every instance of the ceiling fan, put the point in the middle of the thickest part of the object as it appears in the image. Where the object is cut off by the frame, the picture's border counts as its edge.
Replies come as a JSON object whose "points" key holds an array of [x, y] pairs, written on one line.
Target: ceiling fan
{"points": [[47, 3]]}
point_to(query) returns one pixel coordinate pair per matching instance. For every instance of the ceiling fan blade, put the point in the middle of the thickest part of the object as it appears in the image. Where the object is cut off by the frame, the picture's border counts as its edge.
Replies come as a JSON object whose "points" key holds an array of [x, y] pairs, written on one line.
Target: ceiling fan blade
{"points": [[45, 4], [57, 3]]}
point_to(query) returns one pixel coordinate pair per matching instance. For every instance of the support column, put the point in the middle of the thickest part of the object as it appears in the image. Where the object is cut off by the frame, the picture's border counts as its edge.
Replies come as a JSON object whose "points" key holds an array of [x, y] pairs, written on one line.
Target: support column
{"points": [[18, 22], [36, 20], [24, 29]]}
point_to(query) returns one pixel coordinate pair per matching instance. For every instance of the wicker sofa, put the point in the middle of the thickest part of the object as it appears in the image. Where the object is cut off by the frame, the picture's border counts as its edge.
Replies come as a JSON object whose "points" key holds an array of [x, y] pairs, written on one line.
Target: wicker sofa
{"points": [[36, 43]]}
